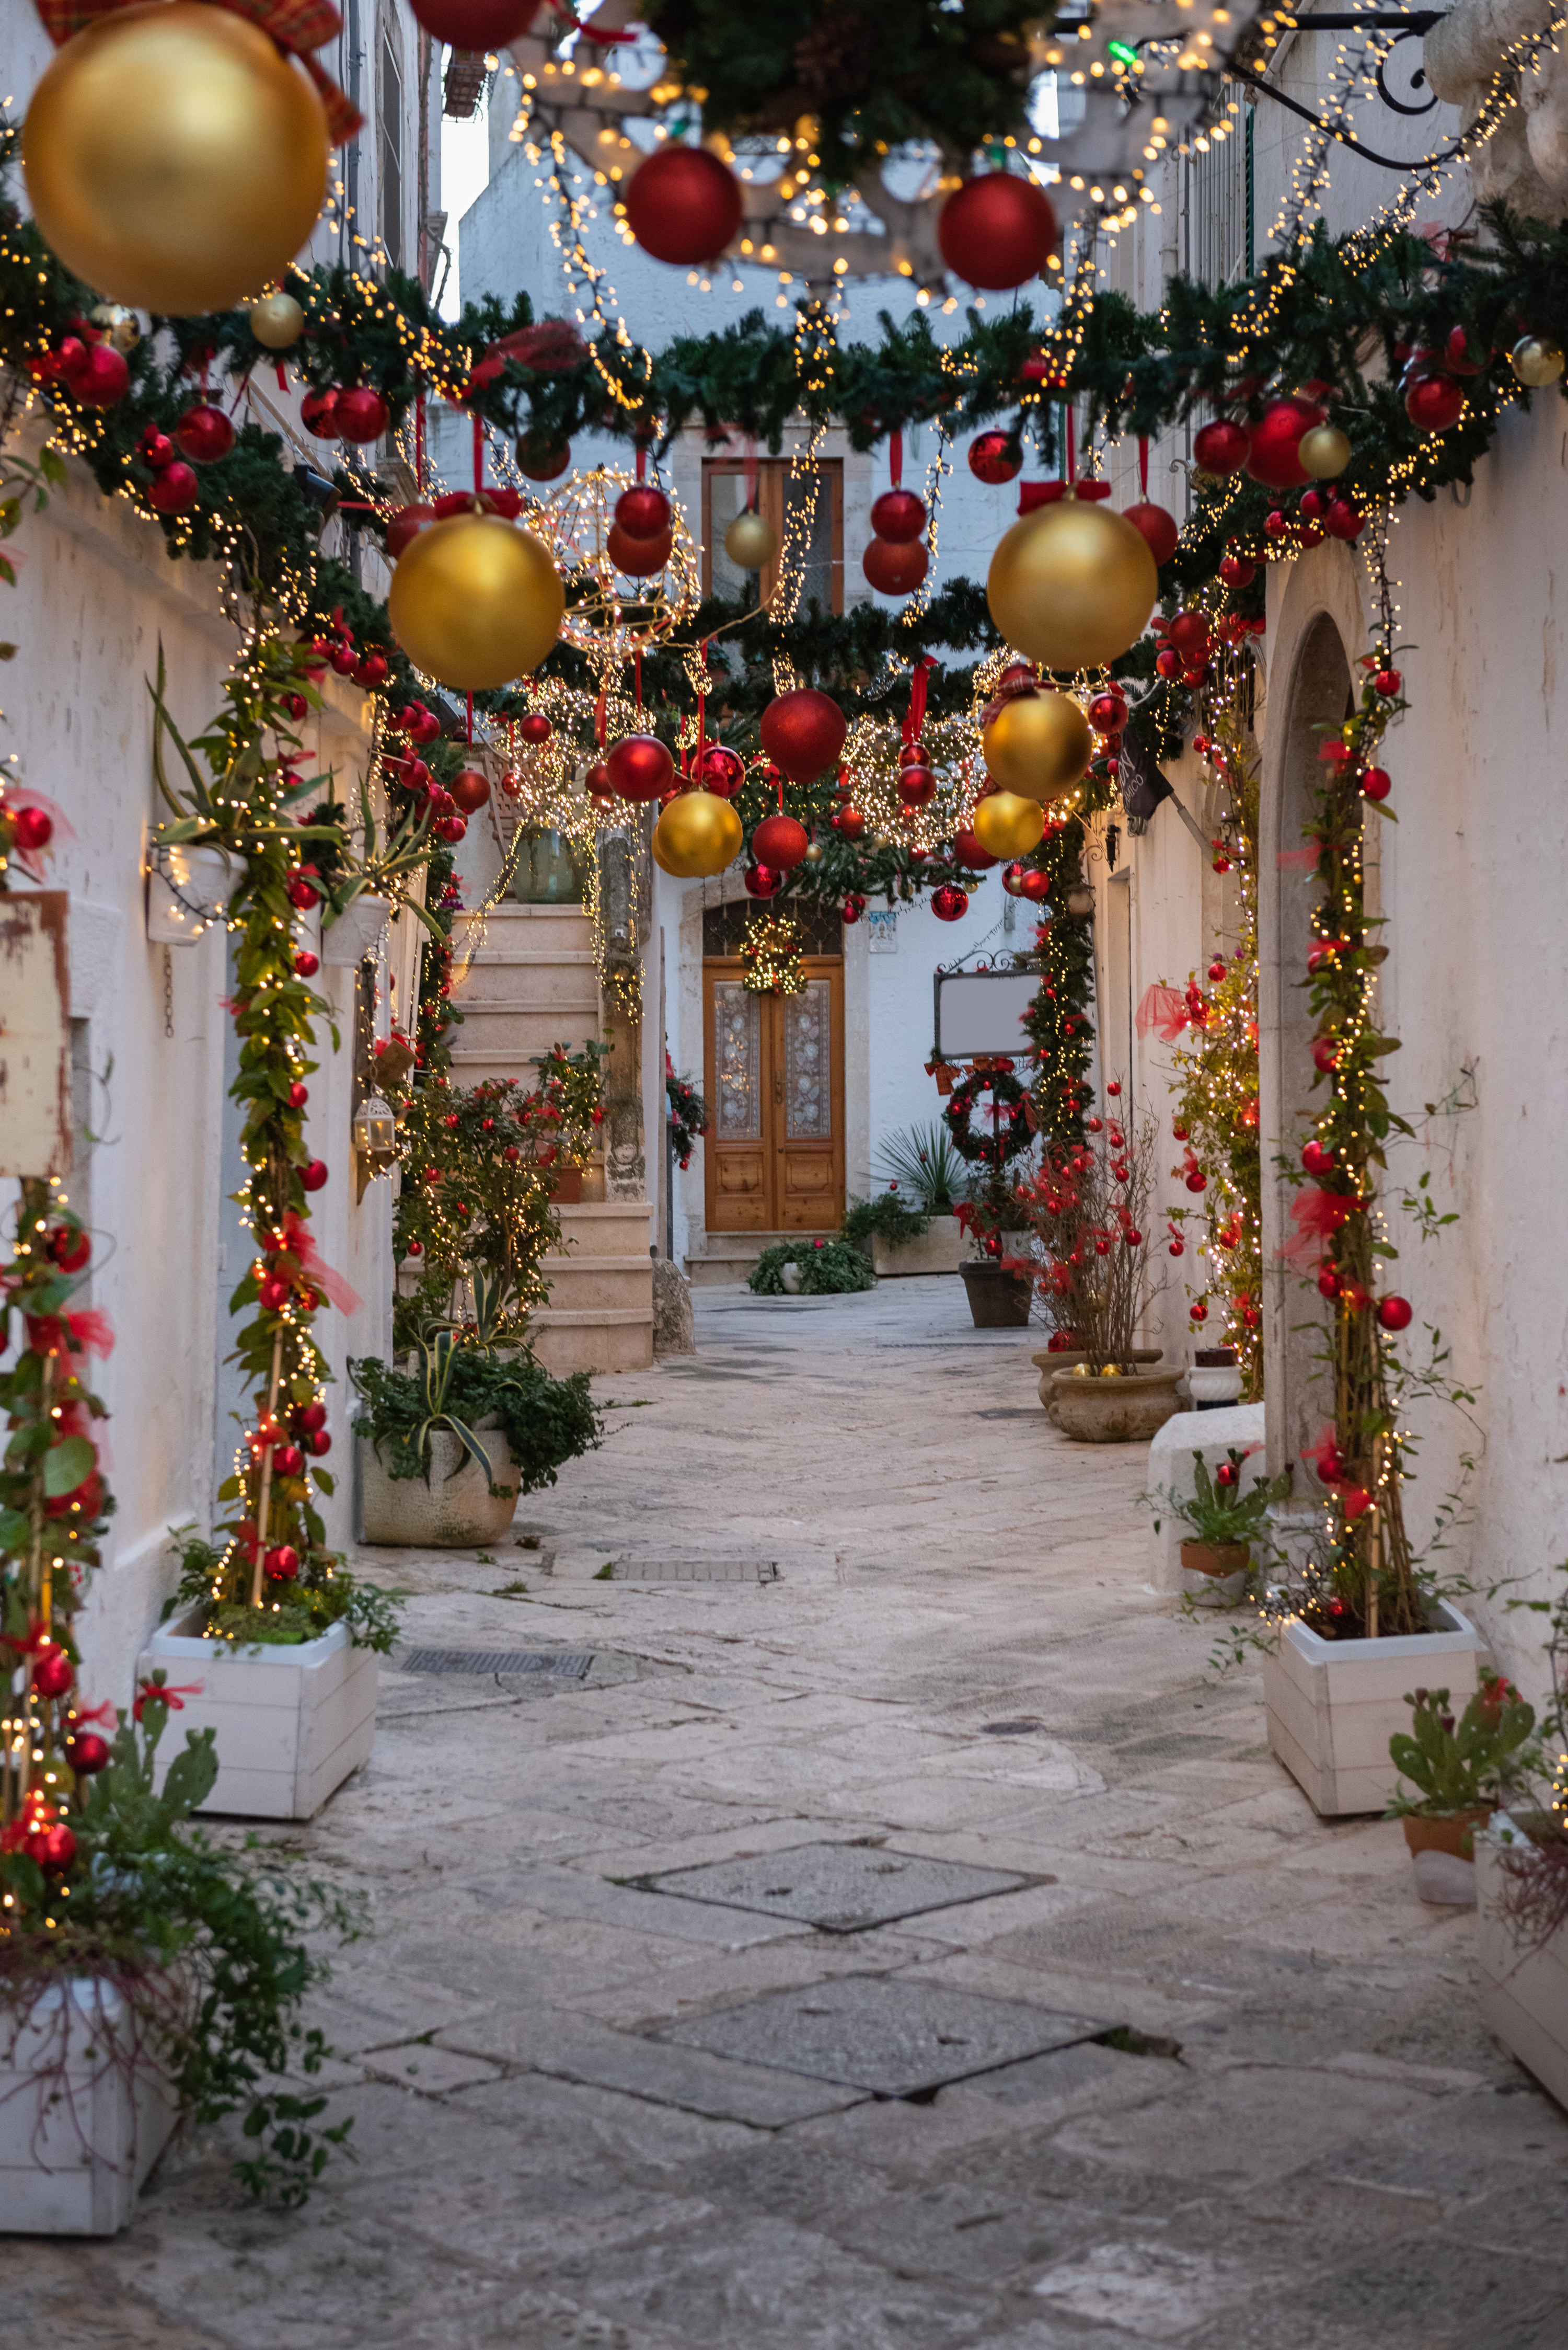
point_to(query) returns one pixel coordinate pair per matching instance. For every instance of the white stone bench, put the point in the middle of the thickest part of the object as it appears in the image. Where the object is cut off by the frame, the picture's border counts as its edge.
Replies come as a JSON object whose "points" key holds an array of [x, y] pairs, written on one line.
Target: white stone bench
{"points": [[1211, 1433]]}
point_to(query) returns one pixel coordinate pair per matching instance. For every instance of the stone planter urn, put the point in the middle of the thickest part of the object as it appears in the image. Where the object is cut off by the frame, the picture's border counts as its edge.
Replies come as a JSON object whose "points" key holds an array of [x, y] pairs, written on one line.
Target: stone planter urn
{"points": [[454, 1510], [1129, 1409], [1332, 1705], [1066, 1360], [1524, 1995], [939, 1250], [84, 2111]]}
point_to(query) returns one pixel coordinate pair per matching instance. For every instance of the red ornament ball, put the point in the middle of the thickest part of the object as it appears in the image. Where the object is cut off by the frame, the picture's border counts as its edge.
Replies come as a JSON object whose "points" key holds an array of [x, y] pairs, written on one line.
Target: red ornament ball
{"points": [[638, 558], [1197, 1311], [204, 434], [1013, 880], [596, 781], [1341, 521], [1273, 457], [898, 515], [318, 413], [1226, 1473], [298, 1095], [1389, 682], [282, 1563], [173, 491], [362, 415], [916, 788], [1222, 447], [995, 458], [535, 729], [1107, 713], [968, 851], [1376, 783], [474, 24], [69, 1247], [761, 882], [101, 377], [53, 1673], [450, 830], [852, 909], [724, 770], [1325, 1053], [683, 205], [779, 843], [950, 903], [640, 768], [643, 511], [997, 232], [288, 1461], [1159, 529], [1434, 402], [1198, 1181], [1237, 572], [1395, 1313], [53, 1847], [305, 965], [470, 789], [895, 569], [803, 732], [32, 828], [1317, 1159], [851, 824], [86, 1752], [311, 1418], [1035, 886], [542, 457], [314, 1176]]}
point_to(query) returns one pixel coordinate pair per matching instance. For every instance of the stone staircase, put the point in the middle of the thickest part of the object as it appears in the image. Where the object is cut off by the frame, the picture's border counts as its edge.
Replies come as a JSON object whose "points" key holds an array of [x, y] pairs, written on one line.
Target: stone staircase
{"points": [[531, 984], [726, 1258]]}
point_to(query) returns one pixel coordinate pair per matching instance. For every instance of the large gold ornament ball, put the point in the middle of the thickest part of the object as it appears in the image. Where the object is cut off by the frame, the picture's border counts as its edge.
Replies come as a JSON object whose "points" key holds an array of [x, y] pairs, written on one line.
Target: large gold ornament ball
{"points": [[475, 602], [1536, 360], [1072, 585], [1037, 745], [751, 542], [1005, 824], [697, 836], [277, 321], [175, 159], [1325, 451]]}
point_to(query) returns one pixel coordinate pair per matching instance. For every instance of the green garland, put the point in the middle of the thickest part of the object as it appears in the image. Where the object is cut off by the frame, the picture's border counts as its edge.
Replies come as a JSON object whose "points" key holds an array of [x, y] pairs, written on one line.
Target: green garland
{"points": [[1060, 1032]]}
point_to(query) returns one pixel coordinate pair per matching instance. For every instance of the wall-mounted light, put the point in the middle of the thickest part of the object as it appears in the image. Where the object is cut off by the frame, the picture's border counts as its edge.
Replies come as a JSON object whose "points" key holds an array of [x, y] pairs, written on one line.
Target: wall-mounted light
{"points": [[375, 1132], [1080, 901], [187, 891]]}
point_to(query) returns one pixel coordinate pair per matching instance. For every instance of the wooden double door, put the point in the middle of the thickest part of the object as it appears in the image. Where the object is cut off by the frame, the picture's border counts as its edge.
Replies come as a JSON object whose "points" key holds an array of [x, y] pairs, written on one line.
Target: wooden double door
{"points": [[774, 1152]]}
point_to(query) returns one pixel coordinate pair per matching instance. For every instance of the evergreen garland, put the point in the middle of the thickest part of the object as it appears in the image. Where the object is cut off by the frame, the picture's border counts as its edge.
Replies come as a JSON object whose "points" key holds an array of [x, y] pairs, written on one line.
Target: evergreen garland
{"points": [[1060, 1032]]}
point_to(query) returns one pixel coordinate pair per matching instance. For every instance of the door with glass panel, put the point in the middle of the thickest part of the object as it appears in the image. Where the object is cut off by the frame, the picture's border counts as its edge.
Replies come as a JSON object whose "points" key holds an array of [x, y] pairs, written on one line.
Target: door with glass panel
{"points": [[774, 1153]]}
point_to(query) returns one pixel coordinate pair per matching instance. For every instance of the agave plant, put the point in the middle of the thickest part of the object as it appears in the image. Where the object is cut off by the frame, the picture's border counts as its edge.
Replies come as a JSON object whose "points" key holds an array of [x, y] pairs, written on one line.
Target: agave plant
{"points": [[434, 1360], [922, 1161]]}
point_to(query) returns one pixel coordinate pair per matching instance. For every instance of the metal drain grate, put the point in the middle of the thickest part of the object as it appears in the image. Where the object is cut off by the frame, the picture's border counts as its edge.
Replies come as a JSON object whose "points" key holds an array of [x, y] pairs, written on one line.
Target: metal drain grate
{"points": [[694, 1570], [554, 1663]]}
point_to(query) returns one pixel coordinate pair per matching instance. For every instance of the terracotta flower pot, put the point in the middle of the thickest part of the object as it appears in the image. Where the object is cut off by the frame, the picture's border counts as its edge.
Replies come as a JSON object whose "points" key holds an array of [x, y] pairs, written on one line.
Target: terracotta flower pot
{"points": [[567, 1186], [1216, 1558], [1452, 1832]]}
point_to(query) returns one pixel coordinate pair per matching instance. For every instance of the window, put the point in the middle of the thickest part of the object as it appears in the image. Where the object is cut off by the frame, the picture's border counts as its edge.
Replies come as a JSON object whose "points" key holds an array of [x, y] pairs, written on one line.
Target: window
{"points": [[780, 493], [391, 152]]}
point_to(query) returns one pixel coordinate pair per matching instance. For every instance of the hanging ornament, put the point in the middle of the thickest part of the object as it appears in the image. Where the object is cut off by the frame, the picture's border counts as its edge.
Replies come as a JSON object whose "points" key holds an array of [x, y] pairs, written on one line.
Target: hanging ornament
{"points": [[1007, 824], [1037, 745], [1536, 360], [895, 569], [475, 25], [854, 906], [543, 456], [697, 836], [100, 377], [682, 204], [1072, 585], [318, 413], [1376, 783], [761, 882], [751, 542], [722, 770], [1341, 521], [779, 843], [850, 824], [1013, 879], [1158, 530], [1108, 713], [118, 325], [1222, 447], [470, 789], [997, 232], [641, 768], [898, 516], [277, 321], [474, 601], [638, 558], [995, 458], [1035, 886], [803, 732], [1432, 402], [534, 728], [361, 413], [916, 786], [1395, 1313], [1325, 451], [175, 158], [1275, 457], [643, 511], [173, 489], [950, 903], [204, 434], [971, 852]]}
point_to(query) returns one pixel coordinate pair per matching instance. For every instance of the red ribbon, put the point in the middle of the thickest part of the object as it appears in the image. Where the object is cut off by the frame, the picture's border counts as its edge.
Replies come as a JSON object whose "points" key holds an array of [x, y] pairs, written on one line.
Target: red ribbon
{"points": [[1143, 464], [295, 1239], [896, 457], [88, 1333], [155, 1692], [1164, 1011], [915, 717], [298, 26]]}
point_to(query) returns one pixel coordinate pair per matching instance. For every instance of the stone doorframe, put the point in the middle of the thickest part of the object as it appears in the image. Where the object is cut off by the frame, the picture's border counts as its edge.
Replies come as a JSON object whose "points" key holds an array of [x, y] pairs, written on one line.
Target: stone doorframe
{"points": [[1317, 631]]}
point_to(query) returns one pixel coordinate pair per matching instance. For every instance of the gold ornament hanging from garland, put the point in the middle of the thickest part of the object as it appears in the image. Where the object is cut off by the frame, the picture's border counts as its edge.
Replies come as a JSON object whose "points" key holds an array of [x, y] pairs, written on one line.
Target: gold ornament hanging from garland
{"points": [[475, 602], [774, 957], [1072, 585]]}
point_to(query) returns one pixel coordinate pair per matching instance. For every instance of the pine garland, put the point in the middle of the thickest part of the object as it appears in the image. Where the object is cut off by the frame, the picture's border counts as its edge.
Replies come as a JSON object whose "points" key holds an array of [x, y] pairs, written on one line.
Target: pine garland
{"points": [[1060, 1032]]}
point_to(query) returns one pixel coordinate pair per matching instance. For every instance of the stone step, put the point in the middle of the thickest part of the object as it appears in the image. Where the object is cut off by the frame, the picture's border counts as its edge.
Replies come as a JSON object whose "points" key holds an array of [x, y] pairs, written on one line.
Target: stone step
{"points": [[509, 929], [726, 1258], [594, 1338], [597, 1229]]}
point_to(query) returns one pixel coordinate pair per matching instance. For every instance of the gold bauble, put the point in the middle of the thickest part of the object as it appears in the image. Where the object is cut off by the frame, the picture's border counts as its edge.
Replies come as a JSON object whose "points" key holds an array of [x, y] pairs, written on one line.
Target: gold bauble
{"points": [[751, 542], [1037, 745], [1006, 824], [697, 836], [121, 327], [277, 321], [475, 602], [1325, 451], [175, 160], [1072, 585], [1536, 360]]}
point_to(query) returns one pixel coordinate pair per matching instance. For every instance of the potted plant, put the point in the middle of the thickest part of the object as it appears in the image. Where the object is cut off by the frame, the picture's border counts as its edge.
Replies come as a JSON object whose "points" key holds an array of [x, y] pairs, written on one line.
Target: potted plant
{"points": [[686, 1113], [478, 1179], [925, 1172], [1226, 1518], [1461, 1766], [567, 1108], [889, 1231], [999, 1293], [811, 1269]]}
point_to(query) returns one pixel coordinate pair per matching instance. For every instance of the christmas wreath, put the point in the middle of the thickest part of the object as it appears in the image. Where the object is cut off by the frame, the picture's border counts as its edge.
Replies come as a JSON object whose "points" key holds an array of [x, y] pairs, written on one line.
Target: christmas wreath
{"points": [[688, 1113], [773, 956], [1011, 1131]]}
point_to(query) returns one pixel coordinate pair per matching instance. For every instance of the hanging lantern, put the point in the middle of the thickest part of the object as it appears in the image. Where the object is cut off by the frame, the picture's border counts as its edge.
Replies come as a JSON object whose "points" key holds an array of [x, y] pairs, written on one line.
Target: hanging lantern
{"points": [[1072, 585], [475, 602], [697, 836], [375, 1132], [751, 542], [1080, 901], [175, 158], [1037, 745], [1008, 824]]}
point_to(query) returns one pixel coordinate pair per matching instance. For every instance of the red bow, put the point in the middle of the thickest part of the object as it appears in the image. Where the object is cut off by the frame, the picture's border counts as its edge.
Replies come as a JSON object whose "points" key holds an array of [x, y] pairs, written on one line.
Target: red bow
{"points": [[295, 1239], [1164, 1010], [162, 1693], [88, 1333], [297, 26]]}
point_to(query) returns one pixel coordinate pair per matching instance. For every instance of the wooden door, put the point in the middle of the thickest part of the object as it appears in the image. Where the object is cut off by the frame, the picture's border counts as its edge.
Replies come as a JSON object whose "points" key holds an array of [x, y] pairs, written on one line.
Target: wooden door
{"points": [[773, 1154]]}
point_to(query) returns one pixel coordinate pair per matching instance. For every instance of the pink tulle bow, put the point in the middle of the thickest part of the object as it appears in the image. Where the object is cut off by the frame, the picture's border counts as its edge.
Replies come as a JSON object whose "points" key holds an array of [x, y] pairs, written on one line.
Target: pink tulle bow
{"points": [[1163, 1010], [296, 1239]]}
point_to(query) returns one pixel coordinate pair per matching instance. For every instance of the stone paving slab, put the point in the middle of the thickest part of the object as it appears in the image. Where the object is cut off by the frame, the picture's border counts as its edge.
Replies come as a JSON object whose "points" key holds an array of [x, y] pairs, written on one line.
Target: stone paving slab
{"points": [[894, 2037], [841, 1889]]}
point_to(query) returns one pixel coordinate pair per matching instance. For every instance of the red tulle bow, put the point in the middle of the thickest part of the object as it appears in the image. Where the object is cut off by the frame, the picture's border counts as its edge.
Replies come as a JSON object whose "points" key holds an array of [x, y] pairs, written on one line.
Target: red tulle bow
{"points": [[88, 1333], [1163, 1010], [297, 26], [296, 1239], [164, 1693]]}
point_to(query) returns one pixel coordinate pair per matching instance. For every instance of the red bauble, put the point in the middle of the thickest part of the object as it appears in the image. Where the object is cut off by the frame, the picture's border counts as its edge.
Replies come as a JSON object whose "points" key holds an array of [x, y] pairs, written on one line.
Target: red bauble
{"points": [[70, 1248], [1222, 447], [642, 512], [311, 1418], [282, 1563], [298, 1095], [1158, 530], [683, 205], [318, 413], [1341, 521], [173, 491], [53, 1673], [761, 882], [314, 1176], [470, 789], [452, 829], [916, 788], [1013, 880], [895, 570], [596, 781], [852, 909], [204, 434], [345, 660], [640, 768], [534, 728], [157, 449], [54, 1847], [1035, 886], [1389, 682], [1197, 1313], [1434, 402], [1167, 663], [362, 415], [1317, 1159], [724, 770], [1356, 1501], [86, 1752], [1107, 713], [851, 824], [1189, 637], [33, 828], [968, 851], [319, 1443], [995, 458], [1275, 457], [779, 843], [996, 232], [898, 515], [101, 378], [474, 24], [1325, 1053], [405, 524], [640, 558], [272, 1295], [542, 458], [302, 893], [1376, 783], [373, 671], [1237, 572], [288, 1461], [1395, 1313], [305, 965], [1225, 1474], [1198, 1181], [803, 732], [950, 903]]}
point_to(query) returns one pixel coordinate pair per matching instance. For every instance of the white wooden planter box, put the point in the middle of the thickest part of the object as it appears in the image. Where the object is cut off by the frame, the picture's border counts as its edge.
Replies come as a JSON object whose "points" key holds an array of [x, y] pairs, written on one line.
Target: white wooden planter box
{"points": [[292, 1723], [81, 2124], [1334, 1705], [942, 1249], [1523, 2000]]}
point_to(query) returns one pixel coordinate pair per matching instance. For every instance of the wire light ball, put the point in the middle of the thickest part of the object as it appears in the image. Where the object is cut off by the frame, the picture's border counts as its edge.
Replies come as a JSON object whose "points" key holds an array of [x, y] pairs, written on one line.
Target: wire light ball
{"points": [[871, 763], [609, 616], [540, 787]]}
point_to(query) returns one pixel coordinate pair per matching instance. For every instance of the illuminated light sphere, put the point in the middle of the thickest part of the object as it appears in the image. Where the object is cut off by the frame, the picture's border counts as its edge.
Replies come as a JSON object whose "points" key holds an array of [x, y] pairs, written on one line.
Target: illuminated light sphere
{"points": [[751, 542], [895, 568], [697, 836], [641, 768], [1007, 824], [1325, 451], [803, 732], [1536, 360], [1037, 745], [277, 321], [1072, 585], [950, 903], [779, 843], [175, 159], [997, 232], [475, 602], [683, 205]]}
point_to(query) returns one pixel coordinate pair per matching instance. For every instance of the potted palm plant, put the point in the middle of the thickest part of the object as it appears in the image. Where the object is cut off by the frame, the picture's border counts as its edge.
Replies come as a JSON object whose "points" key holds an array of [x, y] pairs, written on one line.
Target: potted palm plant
{"points": [[928, 1178]]}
